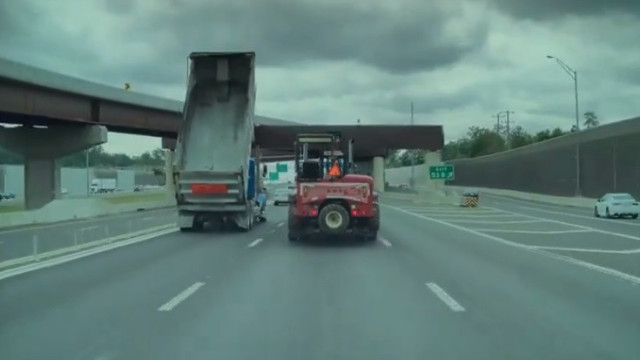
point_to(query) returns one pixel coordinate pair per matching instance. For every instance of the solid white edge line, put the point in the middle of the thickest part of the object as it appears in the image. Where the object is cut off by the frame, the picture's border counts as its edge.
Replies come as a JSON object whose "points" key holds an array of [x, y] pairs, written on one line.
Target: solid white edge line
{"points": [[603, 251], [169, 305], [446, 298], [624, 276], [255, 242], [535, 232], [81, 254]]}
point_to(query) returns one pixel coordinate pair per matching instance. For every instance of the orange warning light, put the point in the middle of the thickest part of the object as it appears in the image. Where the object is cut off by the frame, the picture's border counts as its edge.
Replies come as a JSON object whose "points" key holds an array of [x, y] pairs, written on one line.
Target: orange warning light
{"points": [[335, 170]]}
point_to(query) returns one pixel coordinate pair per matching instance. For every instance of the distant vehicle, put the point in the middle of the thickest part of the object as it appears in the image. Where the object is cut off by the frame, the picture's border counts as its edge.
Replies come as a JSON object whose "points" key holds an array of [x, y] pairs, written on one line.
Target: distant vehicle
{"points": [[101, 186], [281, 196], [616, 205], [7, 196]]}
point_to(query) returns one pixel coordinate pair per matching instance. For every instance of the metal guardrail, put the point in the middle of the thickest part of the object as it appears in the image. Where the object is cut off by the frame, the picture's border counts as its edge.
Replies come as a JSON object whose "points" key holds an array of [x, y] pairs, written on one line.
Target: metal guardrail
{"points": [[22, 246]]}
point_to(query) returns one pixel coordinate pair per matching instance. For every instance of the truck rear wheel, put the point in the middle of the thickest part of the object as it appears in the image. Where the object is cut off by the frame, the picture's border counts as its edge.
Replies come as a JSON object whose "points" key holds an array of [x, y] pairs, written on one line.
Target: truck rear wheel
{"points": [[333, 219]]}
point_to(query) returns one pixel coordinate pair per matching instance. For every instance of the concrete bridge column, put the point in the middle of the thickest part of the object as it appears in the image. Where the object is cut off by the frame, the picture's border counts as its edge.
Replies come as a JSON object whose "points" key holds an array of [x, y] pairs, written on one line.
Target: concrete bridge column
{"points": [[432, 158], [378, 174], [40, 148]]}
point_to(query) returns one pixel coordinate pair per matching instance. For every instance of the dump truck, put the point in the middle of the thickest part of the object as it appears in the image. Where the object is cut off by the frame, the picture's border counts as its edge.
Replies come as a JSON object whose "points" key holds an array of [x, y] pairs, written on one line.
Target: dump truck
{"points": [[215, 177]]}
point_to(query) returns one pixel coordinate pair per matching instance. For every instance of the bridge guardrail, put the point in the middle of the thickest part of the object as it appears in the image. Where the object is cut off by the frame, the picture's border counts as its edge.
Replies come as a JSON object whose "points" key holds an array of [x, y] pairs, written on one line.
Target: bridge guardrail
{"points": [[23, 246]]}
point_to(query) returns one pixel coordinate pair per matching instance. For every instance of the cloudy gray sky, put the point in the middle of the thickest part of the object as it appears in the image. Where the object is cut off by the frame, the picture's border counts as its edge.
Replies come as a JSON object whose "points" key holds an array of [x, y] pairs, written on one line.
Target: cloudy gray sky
{"points": [[334, 61]]}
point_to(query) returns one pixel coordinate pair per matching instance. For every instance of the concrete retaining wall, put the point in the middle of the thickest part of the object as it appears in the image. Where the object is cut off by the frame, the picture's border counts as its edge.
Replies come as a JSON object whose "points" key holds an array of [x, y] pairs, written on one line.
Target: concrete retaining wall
{"points": [[74, 180], [610, 162]]}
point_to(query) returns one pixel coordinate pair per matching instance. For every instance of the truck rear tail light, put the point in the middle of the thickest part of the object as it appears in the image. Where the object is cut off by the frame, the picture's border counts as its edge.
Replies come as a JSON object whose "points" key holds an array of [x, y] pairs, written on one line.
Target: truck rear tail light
{"points": [[354, 212], [200, 189], [313, 212]]}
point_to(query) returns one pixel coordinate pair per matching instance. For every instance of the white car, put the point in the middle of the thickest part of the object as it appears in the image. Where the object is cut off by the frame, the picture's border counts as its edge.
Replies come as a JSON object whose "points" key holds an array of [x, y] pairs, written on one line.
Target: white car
{"points": [[281, 196], [616, 205]]}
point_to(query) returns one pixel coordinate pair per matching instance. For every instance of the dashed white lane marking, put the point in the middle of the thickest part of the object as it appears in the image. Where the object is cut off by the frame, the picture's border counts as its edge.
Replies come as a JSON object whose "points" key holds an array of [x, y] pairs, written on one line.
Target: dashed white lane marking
{"points": [[578, 216], [451, 303], [147, 218], [181, 297], [280, 224], [384, 241], [89, 228], [255, 242], [601, 269], [272, 231], [538, 232]]}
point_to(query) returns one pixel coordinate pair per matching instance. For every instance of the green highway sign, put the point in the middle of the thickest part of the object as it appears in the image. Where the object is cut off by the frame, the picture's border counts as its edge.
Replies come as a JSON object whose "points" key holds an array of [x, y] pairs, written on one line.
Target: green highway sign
{"points": [[441, 172], [274, 176], [282, 167]]}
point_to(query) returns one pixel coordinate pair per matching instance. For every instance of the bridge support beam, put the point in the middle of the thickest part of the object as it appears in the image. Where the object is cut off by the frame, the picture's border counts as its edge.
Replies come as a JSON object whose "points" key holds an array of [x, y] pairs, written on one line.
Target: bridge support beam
{"points": [[40, 148], [378, 173]]}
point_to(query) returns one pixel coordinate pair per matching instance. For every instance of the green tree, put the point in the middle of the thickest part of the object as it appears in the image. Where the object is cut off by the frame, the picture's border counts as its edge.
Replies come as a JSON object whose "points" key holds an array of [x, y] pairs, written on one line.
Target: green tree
{"points": [[519, 138], [393, 159], [417, 156], [484, 141], [591, 119]]}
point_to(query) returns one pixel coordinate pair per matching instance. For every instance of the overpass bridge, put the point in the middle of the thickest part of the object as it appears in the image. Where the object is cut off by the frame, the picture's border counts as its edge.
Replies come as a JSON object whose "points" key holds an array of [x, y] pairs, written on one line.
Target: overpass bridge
{"points": [[61, 115]]}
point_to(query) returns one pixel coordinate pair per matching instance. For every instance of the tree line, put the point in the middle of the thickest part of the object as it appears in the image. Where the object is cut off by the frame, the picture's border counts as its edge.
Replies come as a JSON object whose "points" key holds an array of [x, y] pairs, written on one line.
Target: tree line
{"points": [[98, 157], [481, 141]]}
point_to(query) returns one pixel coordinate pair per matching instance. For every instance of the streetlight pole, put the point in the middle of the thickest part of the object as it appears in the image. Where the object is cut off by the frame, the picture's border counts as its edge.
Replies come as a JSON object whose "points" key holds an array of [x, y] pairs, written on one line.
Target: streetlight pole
{"points": [[413, 160], [574, 75]]}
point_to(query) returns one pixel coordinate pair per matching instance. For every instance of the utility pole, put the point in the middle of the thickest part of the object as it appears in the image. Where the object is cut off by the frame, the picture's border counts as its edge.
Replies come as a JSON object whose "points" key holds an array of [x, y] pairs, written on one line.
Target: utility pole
{"points": [[508, 129], [413, 159], [498, 124], [507, 126]]}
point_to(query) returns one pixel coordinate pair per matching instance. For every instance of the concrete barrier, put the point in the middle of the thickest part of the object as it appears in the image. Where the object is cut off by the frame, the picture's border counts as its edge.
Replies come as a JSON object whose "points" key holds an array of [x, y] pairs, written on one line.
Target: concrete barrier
{"points": [[72, 209], [579, 202]]}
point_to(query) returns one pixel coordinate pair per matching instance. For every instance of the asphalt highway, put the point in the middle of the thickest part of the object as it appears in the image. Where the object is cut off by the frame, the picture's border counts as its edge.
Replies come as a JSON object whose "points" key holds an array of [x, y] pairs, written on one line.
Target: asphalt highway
{"points": [[439, 283]]}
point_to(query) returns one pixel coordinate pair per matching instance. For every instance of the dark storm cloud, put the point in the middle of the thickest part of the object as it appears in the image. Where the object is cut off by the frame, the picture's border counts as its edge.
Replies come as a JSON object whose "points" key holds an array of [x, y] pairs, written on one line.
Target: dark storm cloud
{"points": [[426, 104], [289, 32], [120, 6], [27, 35], [555, 9]]}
